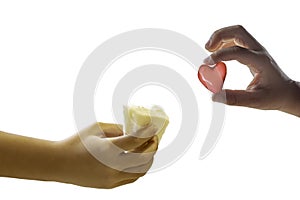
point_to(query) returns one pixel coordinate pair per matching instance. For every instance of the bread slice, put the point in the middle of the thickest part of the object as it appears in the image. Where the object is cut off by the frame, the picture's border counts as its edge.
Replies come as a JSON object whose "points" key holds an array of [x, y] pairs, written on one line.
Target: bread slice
{"points": [[137, 117]]}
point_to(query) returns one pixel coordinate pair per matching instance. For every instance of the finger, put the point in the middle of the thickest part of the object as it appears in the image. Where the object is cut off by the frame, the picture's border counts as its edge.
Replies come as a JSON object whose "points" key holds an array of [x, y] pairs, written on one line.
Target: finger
{"points": [[131, 159], [232, 36], [246, 98], [111, 130], [128, 142], [139, 170], [150, 146], [247, 57]]}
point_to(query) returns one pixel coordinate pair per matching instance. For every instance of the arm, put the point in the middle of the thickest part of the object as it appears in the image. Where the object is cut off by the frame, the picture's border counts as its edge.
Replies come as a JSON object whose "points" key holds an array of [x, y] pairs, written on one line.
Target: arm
{"points": [[270, 89], [68, 161], [29, 158]]}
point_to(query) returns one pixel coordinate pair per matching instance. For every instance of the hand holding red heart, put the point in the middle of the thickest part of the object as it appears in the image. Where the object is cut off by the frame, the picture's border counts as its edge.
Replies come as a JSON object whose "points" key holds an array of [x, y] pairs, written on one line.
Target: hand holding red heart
{"points": [[270, 89]]}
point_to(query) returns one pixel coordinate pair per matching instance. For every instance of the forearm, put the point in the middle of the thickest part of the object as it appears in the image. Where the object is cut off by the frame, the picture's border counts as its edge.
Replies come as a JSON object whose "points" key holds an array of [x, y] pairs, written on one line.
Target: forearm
{"points": [[28, 158], [292, 103]]}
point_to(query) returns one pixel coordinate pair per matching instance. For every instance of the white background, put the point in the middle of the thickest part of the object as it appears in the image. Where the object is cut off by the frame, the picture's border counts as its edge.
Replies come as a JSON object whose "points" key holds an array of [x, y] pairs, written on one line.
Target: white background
{"points": [[43, 45]]}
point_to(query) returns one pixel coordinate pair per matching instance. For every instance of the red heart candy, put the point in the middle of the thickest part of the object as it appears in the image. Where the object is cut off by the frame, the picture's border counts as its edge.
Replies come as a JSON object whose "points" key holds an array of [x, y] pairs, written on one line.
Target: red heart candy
{"points": [[213, 77]]}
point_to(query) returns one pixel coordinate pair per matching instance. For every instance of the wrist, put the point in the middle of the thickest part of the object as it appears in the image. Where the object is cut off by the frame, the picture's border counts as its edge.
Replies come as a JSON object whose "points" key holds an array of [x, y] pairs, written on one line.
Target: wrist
{"points": [[292, 99], [55, 162], [65, 164]]}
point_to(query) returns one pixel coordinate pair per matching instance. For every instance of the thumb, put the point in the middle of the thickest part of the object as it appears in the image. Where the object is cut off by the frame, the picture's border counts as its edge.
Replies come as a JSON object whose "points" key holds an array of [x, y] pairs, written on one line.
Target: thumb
{"points": [[245, 98]]}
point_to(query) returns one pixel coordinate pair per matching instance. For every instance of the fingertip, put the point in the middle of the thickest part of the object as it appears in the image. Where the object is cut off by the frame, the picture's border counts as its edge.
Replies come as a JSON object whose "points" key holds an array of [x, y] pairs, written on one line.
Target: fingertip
{"points": [[209, 60], [208, 44], [219, 97]]}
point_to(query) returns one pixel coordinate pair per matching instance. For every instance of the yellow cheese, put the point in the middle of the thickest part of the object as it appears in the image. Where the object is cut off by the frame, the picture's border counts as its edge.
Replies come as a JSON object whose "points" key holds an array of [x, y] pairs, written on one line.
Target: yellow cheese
{"points": [[137, 117]]}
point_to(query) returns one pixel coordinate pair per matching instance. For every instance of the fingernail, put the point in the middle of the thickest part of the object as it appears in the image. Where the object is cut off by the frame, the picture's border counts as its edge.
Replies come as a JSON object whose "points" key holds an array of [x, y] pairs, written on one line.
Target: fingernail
{"points": [[208, 60]]}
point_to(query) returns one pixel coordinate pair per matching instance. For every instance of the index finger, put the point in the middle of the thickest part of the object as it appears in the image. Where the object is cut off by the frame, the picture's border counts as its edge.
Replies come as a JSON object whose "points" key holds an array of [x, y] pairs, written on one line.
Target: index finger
{"points": [[256, 61], [232, 36]]}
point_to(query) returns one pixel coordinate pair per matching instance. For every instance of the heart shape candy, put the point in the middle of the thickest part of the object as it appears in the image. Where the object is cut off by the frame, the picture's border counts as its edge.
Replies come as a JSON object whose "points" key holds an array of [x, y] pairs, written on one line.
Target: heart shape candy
{"points": [[213, 77]]}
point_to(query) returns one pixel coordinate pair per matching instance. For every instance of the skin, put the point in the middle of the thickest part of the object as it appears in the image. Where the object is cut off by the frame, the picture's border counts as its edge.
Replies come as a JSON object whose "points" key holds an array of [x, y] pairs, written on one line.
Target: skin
{"points": [[270, 89], [68, 161]]}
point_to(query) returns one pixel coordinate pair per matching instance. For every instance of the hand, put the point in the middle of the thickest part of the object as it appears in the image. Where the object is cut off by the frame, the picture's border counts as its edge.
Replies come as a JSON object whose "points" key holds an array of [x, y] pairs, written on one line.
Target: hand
{"points": [[270, 88], [122, 155], [121, 159]]}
